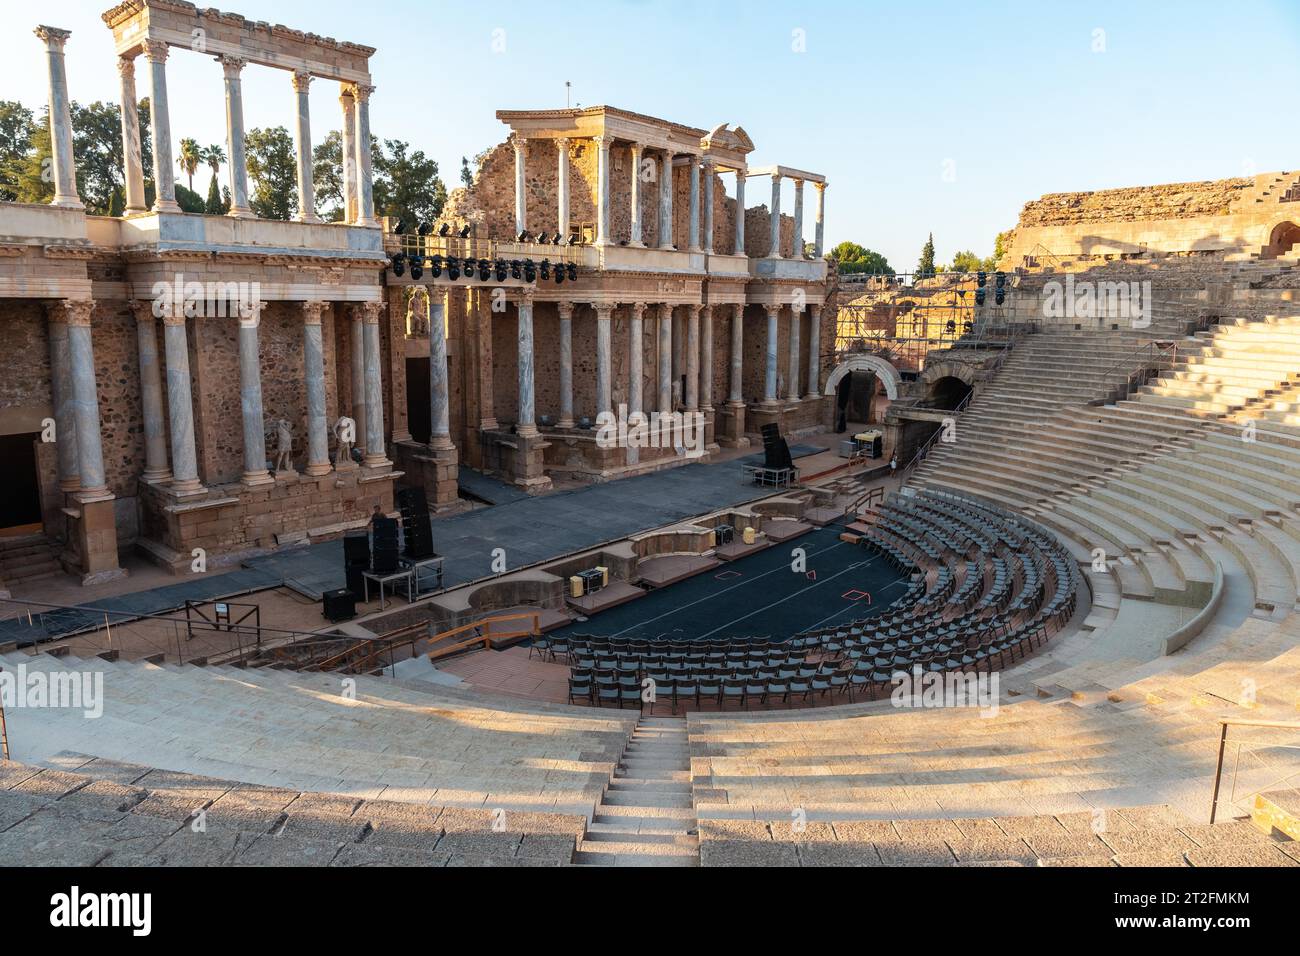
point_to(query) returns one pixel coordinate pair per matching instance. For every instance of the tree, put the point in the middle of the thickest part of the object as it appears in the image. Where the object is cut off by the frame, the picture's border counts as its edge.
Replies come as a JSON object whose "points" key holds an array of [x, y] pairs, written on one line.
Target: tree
{"points": [[273, 165], [466, 176], [189, 158], [327, 177], [16, 128], [214, 156], [925, 268], [189, 200], [406, 184], [969, 262], [1002, 245], [854, 258]]}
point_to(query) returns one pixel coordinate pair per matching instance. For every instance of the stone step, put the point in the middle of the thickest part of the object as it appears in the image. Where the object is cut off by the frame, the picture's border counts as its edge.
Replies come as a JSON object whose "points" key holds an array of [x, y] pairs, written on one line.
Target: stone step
{"points": [[645, 785], [646, 798], [634, 854]]}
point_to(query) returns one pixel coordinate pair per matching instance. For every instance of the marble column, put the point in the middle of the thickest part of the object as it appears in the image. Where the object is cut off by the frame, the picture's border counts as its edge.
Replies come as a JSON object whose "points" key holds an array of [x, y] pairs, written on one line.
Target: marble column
{"points": [[693, 235], [65, 170], [665, 358], [775, 218], [602, 189], [706, 358], [439, 382], [737, 394], [306, 189], [160, 129], [666, 200], [792, 385], [250, 399], [521, 184], [365, 175], [707, 172], [604, 378], [679, 357], [65, 419], [359, 376], [85, 398], [313, 362], [133, 173], [236, 168], [636, 362], [348, 103], [562, 187], [740, 212], [180, 406], [814, 351], [375, 457], [693, 358], [636, 196], [151, 401], [821, 215], [526, 425], [566, 364], [798, 218], [769, 375]]}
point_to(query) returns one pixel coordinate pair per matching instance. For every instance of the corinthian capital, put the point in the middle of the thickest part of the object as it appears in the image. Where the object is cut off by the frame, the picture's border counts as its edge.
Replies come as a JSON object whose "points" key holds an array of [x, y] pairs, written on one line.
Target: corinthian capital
{"points": [[156, 50]]}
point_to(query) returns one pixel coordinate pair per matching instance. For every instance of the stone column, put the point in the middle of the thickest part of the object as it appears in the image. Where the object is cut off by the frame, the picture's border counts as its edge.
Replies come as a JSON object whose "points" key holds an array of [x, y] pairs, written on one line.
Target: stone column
{"points": [[737, 394], [65, 170], [133, 174], [566, 364], [250, 399], [693, 358], [306, 190], [65, 418], [679, 357], [775, 252], [636, 363], [313, 362], [348, 104], [521, 184], [160, 129], [769, 380], [439, 387], [527, 423], [375, 457], [365, 176], [602, 189], [798, 218], [706, 358], [604, 380], [562, 187], [155, 429], [232, 67], [708, 204], [814, 351], [636, 196], [665, 358], [483, 358], [693, 234], [740, 212], [792, 386], [359, 376], [821, 212], [666, 200], [180, 406]]}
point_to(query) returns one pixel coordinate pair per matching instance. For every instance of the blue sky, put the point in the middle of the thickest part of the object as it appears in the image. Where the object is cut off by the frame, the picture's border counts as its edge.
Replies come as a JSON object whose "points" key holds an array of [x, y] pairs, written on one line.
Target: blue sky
{"points": [[944, 117]]}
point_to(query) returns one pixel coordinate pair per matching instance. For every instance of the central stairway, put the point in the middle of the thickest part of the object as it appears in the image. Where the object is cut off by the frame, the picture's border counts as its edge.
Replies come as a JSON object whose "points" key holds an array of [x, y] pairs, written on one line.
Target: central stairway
{"points": [[646, 817]]}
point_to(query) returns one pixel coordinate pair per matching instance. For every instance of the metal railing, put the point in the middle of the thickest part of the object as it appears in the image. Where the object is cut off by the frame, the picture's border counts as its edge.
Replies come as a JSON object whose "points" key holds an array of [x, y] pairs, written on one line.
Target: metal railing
{"points": [[489, 249], [1150, 357], [4, 730], [1224, 724]]}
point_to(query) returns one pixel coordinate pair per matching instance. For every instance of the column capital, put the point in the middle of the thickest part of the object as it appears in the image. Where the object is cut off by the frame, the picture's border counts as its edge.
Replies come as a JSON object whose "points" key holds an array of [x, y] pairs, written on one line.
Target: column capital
{"points": [[156, 50], [562, 142], [301, 80], [604, 310], [776, 178], [143, 311], [126, 65], [565, 309], [54, 37], [367, 312], [526, 297], [820, 187], [638, 309], [250, 314], [231, 65], [707, 160], [358, 91], [71, 311], [520, 143], [603, 140]]}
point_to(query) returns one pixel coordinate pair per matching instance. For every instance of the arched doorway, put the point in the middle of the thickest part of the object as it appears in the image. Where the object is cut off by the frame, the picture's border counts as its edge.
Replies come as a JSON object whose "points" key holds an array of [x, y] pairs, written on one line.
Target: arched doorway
{"points": [[948, 392], [1284, 236]]}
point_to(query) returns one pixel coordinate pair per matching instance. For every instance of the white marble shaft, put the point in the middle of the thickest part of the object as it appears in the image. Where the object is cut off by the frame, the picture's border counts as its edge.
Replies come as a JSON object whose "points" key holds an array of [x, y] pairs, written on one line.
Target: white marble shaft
{"points": [[792, 386], [814, 350], [527, 423], [439, 392], [359, 377], [65, 419], [562, 186], [365, 175], [129, 112], [775, 219], [740, 213], [250, 398], [302, 138], [708, 204], [65, 170], [160, 128], [665, 358], [769, 375], [604, 382], [180, 405], [566, 364], [818, 247], [737, 393], [85, 407], [521, 184], [706, 357], [635, 239], [155, 427], [313, 362], [602, 189], [636, 363], [236, 166], [348, 103], [374, 387], [666, 200], [693, 237], [692, 358], [798, 218]]}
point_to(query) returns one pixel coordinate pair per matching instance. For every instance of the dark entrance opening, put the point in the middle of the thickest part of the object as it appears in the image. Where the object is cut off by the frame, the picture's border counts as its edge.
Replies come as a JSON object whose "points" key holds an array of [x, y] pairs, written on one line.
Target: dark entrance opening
{"points": [[419, 417], [21, 502], [948, 392]]}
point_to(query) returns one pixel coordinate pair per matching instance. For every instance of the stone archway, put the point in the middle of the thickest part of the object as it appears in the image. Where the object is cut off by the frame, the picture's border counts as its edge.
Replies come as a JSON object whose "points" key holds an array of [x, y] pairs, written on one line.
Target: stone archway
{"points": [[866, 362], [1281, 239]]}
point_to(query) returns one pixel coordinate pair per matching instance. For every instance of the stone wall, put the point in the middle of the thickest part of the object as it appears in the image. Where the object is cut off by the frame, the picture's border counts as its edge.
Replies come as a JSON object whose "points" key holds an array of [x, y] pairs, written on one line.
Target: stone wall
{"points": [[1134, 203]]}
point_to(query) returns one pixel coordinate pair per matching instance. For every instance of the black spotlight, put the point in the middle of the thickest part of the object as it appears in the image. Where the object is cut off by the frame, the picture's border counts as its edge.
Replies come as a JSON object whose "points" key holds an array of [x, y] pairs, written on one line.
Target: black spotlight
{"points": [[950, 326], [573, 239], [530, 271], [502, 270], [484, 270], [1000, 279], [399, 227], [444, 229], [979, 296], [540, 239], [557, 239], [424, 229], [523, 235], [981, 277], [435, 266], [464, 231], [573, 272], [999, 296], [399, 264], [453, 268], [546, 269], [417, 267], [559, 273], [516, 269]]}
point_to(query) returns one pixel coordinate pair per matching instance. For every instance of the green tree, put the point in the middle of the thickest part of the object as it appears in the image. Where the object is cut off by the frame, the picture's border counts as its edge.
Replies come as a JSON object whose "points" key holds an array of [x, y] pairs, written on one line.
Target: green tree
{"points": [[214, 156], [189, 158], [925, 268], [854, 258], [406, 183], [1002, 245], [466, 175], [273, 165], [16, 128], [327, 177], [189, 200]]}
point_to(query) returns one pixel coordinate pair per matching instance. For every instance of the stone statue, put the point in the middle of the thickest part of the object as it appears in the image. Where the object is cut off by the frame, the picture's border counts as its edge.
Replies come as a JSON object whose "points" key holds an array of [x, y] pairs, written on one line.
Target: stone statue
{"points": [[283, 444], [345, 433]]}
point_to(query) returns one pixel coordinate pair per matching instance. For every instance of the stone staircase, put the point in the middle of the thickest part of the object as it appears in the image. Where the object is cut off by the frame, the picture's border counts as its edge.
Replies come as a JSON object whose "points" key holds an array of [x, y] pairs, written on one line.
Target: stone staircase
{"points": [[28, 558], [646, 816]]}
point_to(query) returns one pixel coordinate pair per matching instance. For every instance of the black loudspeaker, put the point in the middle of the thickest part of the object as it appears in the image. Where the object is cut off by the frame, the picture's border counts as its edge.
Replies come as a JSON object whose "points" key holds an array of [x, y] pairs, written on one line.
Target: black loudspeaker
{"points": [[340, 605], [384, 532], [385, 561], [775, 448], [355, 584], [356, 550], [419, 537]]}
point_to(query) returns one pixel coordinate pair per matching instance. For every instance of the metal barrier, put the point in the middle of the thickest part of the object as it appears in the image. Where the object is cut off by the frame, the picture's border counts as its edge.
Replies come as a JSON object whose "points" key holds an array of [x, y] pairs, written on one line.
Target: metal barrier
{"points": [[1224, 724]]}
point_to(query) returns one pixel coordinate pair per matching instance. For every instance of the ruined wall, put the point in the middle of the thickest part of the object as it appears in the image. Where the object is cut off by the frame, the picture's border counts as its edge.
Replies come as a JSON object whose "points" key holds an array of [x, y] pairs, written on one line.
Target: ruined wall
{"points": [[1134, 203]]}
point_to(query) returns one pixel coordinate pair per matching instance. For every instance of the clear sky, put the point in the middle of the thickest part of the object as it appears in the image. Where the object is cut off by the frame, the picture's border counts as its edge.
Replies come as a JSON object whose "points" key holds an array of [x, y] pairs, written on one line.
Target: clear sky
{"points": [[943, 117]]}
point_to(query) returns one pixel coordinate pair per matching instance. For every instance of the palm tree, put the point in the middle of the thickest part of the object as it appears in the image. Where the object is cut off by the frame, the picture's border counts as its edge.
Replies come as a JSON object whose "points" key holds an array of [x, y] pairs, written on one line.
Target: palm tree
{"points": [[189, 159], [214, 156]]}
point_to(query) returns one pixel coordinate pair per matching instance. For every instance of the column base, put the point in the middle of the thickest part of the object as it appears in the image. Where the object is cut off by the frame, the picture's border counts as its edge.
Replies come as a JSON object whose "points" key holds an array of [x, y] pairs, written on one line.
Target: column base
{"points": [[366, 223], [166, 205], [156, 476], [729, 427], [251, 479], [376, 462], [70, 485], [565, 423], [317, 469], [68, 202], [309, 219], [242, 212], [527, 431], [187, 488]]}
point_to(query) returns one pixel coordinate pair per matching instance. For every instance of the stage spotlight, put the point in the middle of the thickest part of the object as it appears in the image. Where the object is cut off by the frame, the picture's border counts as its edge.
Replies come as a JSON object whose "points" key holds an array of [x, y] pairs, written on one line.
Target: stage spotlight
{"points": [[399, 264], [557, 239], [559, 273], [484, 270], [417, 267], [541, 239], [424, 229], [502, 270], [530, 271], [516, 269], [546, 269], [464, 231], [573, 239], [453, 268], [573, 272], [979, 296], [999, 296], [523, 235], [435, 266], [950, 326], [1000, 279], [444, 229], [399, 227], [981, 277]]}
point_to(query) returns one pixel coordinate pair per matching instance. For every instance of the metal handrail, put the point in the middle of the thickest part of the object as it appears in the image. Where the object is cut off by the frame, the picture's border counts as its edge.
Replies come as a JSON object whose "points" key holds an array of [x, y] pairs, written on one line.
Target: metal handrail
{"points": [[1224, 724], [4, 730]]}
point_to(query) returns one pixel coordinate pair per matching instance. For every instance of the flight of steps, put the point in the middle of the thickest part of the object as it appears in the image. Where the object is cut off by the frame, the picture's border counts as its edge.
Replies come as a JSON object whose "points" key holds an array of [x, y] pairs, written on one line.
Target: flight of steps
{"points": [[27, 558], [646, 817]]}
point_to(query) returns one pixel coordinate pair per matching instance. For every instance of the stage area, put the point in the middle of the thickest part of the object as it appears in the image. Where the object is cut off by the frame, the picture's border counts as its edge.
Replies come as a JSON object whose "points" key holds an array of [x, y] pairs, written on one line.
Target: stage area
{"points": [[761, 596]]}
